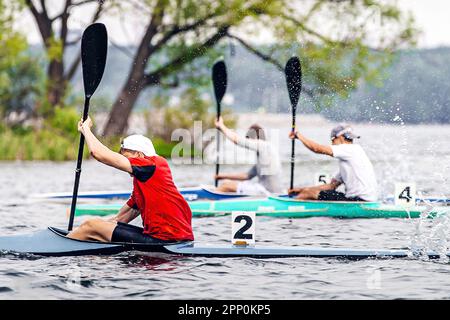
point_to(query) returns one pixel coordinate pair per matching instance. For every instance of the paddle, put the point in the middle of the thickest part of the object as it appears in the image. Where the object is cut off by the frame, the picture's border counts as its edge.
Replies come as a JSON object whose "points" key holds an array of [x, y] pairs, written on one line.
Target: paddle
{"points": [[94, 45], [219, 78], [293, 72]]}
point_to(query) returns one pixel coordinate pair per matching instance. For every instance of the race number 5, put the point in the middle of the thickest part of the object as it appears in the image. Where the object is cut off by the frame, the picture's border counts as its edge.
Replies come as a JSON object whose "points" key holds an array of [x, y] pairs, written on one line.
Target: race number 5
{"points": [[322, 178], [243, 228], [405, 194]]}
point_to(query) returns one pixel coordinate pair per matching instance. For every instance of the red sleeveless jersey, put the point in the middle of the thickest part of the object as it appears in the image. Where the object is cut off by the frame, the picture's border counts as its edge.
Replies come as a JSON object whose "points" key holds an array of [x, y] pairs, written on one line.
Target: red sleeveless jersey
{"points": [[165, 213]]}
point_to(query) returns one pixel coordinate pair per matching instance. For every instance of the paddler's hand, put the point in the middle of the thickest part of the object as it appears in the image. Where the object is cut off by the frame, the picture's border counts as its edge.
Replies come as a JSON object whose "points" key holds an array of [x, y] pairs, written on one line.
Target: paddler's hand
{"points": [[293, 134], [294, 191], [219, 124], [218, 177], [84, 125]]}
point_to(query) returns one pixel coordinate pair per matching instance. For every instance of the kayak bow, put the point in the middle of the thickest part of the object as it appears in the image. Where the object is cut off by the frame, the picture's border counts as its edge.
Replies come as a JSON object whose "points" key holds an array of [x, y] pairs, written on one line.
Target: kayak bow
{"points": [[52, 242]]}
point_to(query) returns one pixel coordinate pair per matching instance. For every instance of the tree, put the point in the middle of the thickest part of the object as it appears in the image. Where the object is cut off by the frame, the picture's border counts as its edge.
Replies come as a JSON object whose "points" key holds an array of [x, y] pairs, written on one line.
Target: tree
{"points": [[327, 34], [20, 75], [54, 32]]}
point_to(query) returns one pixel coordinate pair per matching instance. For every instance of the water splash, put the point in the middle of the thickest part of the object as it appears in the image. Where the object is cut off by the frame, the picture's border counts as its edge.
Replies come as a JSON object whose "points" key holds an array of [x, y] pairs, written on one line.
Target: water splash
{"points": [[432, 232]]}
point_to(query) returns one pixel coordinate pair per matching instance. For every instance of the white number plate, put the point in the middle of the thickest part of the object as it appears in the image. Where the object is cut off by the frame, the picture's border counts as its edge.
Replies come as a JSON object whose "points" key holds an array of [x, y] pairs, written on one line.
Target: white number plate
{"points": [[405, 194], [243, 227]]}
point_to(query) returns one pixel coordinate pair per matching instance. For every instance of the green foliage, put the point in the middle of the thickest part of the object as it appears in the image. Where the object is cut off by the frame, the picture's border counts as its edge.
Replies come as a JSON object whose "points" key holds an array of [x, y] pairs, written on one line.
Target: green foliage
{"points": [[355, 44], [64, 122], [168, 116], [20, 75], [55, 50], [333, 39], [162, 147], [57, 140], [36, 145], [20, 85]]}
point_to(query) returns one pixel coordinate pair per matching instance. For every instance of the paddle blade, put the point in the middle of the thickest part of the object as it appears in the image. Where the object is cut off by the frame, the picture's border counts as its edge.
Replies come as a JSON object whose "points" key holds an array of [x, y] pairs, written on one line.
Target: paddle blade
{"points": [[293, 72], [219, 78], [94, 45]]}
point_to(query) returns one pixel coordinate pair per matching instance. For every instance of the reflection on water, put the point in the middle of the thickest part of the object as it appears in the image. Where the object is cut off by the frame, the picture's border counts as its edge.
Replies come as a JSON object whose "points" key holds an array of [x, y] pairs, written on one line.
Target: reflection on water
{"points": [[399, 154], [139, 260]]}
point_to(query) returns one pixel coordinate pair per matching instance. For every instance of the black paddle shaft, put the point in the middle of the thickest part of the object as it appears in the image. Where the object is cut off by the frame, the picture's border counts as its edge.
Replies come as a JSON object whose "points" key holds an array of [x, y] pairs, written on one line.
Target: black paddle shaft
{"points": [[94, 46], [293, 74], [219, 78]]}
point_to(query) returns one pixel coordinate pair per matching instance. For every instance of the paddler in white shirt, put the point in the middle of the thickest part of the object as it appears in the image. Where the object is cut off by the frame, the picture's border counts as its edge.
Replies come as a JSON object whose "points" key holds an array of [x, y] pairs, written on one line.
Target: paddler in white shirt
{"points": [[355, 169], [267, 169]]}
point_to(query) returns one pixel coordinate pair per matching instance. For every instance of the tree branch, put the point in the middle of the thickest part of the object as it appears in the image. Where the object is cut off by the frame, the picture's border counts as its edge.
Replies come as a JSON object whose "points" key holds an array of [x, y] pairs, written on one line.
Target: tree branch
{"points": [[143, 51], [180, 29], [310, 31], [177, 63], [44, 9], [44, 24], [267, 58], [74, 66], [128, 53], [64, 18], [72, 5], [98, 12], [73, 42], [256, 52], [174, 84], [80, 3]]}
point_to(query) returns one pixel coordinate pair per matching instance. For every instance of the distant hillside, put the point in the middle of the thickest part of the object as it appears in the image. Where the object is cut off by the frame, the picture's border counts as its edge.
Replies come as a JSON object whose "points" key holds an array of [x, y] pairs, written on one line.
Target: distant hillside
{"points": [[417, 88]]}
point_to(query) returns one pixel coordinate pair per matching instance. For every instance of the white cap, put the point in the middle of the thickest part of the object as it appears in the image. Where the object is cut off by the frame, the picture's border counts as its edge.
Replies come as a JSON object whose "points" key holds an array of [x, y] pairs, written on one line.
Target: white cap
{"points": [[137, 142]]}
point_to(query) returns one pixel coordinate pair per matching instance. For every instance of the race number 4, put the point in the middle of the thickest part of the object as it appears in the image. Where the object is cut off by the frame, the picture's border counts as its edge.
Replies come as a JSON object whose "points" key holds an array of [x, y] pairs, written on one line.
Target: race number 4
{"points": [[405, 194], [243, 228], [322, 178]]}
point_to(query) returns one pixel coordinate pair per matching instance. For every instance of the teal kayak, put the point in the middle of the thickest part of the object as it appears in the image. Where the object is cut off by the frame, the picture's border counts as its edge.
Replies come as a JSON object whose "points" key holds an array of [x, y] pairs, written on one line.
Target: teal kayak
{"points": [[283, 207]]}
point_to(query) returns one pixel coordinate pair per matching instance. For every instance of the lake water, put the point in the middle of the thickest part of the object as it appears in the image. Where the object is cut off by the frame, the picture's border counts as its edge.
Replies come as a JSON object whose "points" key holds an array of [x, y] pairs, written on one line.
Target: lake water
{"points": [[419, 154]]}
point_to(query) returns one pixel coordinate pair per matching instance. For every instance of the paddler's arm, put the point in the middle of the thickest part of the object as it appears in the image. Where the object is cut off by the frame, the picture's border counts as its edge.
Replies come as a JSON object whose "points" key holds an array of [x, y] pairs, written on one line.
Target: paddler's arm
{"points": [[329, 186], [233, 176], [230, 134], [323, 187], [100, 152], [312, 145], [126, 214]]}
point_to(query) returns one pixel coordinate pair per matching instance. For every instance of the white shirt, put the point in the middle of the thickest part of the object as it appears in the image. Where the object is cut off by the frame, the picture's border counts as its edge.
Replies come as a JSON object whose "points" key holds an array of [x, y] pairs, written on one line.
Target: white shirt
{"points": [[268, 164], [355, 171]]}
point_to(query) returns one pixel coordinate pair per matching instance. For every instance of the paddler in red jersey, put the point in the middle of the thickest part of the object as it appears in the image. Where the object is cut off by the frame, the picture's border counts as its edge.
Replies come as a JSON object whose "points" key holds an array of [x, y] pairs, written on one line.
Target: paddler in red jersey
{"points": [[165, 213]]}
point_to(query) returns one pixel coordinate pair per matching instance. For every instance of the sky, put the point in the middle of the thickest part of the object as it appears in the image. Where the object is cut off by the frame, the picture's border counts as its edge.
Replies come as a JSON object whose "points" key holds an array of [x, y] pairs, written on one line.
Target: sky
{"points": [[432, 18]]}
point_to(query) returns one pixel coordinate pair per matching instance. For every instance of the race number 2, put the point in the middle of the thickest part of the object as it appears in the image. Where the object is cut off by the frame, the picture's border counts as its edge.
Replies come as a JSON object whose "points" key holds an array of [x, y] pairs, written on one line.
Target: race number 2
{"points": [[243, 228], [405, 194]]}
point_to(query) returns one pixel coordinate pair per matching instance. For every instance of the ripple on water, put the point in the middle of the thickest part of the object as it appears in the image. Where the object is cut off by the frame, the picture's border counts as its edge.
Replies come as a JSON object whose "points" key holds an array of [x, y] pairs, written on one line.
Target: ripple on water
{"points": [[141, 276]]}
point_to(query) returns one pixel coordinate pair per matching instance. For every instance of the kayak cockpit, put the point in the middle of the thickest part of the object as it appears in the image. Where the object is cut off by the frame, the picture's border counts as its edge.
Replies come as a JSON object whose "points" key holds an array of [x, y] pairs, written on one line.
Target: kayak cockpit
{"points": [[53, 242], [126, 246]]}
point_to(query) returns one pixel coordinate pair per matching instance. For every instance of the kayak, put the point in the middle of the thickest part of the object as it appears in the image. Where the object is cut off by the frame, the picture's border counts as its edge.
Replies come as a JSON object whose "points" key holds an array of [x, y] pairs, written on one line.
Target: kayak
{"points": [[53, 242], [190, 194], [282, 207]]}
